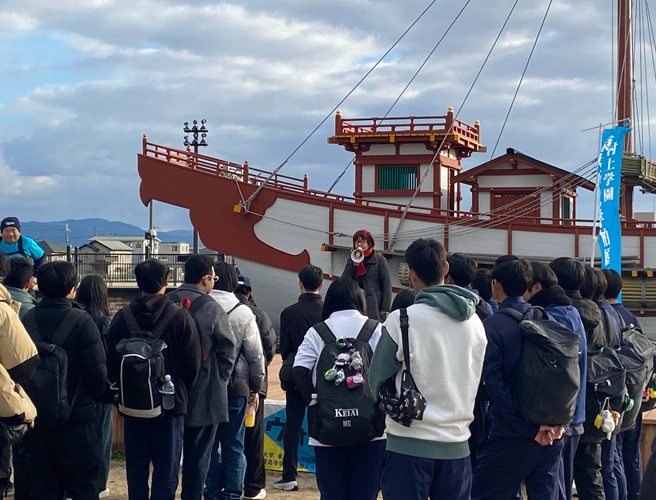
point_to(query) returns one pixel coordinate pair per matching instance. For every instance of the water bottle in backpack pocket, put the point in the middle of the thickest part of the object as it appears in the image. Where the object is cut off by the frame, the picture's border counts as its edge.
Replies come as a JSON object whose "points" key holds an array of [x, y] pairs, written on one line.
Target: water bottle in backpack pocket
{"points": [[142, 370], [343, 411], [605, 391]]}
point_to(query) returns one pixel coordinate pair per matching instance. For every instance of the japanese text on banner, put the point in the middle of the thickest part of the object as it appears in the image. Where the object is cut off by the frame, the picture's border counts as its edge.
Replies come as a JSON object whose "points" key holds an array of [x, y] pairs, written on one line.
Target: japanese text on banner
{"points": [[610, 175]]}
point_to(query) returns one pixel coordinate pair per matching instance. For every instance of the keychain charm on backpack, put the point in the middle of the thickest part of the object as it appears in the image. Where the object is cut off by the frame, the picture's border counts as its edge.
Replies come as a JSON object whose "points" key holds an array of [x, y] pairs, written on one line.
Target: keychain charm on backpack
{"points": [[355, 381], [342, 359], [340, 376], [629, 404], [330, 374], [356, 361], [342, 343]]}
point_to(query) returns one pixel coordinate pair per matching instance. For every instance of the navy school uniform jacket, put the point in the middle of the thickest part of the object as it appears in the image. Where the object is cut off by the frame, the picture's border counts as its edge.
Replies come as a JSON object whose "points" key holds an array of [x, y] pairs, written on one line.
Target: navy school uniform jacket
{"points": [[504, 351], [628, 317], [605, 307]]}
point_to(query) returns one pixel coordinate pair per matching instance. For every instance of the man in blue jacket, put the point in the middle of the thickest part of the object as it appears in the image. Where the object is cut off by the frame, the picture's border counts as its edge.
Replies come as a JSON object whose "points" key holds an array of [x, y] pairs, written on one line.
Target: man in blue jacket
{"points": [[14, 244], [545, 292], [517, 449]]}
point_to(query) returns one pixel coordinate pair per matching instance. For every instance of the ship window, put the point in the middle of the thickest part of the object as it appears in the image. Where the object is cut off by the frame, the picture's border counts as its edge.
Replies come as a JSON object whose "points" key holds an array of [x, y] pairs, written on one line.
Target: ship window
{"points": [[567, 210], [397, 178]]}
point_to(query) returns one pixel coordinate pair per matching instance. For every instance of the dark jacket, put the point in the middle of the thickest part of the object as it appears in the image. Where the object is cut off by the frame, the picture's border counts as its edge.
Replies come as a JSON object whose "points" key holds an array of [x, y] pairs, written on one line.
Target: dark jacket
{"points": [[628, 317], [504, 352], [376, 283], [556, 302], [182, 354], [85, 351], [607, 312], [208, 399], [267, 335], [296, 320], [591, 317]]}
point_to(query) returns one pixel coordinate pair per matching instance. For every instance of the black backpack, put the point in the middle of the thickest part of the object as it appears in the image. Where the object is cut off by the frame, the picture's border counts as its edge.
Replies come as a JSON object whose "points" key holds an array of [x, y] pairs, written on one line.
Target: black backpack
{"points": [[481, 310], [142, 371], [48, 388], [605, 389], [637, 356], [548, 378], [344, 412]]}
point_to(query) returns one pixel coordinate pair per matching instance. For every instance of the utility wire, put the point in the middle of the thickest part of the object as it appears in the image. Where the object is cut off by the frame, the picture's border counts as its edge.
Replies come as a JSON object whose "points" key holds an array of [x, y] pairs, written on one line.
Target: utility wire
{"points": [[521, 80], [455, 119], [430, 54], [257, 191]]}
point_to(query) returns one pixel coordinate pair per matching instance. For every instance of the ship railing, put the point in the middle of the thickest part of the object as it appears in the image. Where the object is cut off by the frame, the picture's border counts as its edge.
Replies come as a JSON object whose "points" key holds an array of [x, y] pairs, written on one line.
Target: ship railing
{"points": [[426, 125]]}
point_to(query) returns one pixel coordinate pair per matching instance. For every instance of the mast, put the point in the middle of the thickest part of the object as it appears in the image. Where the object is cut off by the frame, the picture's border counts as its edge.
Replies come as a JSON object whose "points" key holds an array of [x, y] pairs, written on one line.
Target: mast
{"points": [[625, 90]]}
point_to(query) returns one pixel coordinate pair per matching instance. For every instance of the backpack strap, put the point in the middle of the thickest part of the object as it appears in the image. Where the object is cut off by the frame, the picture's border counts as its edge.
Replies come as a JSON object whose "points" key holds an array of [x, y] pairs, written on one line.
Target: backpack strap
{"points": [[133, 326], [611, 329], [66, 327], [163, 320], [405, 327], [238, 304], [509, 311], [367, 330], [175, 298], [21, 249], [324, 332], [200, 302]]}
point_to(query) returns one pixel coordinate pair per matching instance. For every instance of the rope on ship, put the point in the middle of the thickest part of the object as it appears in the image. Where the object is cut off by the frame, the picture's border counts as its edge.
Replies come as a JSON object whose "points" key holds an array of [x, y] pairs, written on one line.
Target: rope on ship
{"points": [[246, 205], [405, 89]]}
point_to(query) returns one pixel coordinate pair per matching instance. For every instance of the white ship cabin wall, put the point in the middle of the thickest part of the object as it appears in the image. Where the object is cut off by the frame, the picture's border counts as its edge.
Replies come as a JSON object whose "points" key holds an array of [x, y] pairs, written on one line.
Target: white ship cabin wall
{"points": [[510, 179], [392, 172]]}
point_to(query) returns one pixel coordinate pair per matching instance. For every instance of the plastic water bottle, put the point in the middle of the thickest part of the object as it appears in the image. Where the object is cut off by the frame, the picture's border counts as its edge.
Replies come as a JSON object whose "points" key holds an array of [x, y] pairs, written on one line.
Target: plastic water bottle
{"points": [[250, 413], [168, 393]]}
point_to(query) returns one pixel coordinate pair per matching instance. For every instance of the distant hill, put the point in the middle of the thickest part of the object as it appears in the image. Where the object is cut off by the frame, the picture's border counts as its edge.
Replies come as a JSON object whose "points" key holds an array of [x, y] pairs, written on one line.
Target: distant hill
{"points": [[83, 229]]}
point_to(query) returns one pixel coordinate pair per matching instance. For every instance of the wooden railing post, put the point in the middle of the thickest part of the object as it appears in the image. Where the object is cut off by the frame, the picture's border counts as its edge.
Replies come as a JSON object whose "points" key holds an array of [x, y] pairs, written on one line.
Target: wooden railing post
{"points": [[338, 122], [245, 172], [449, 119], [145, 144], [305, 182], [477, 126]]}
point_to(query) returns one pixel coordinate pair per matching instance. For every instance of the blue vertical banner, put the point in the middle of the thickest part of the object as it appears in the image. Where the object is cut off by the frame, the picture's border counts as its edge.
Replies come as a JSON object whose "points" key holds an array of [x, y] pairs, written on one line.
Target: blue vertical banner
{"points": [[610, 176]]}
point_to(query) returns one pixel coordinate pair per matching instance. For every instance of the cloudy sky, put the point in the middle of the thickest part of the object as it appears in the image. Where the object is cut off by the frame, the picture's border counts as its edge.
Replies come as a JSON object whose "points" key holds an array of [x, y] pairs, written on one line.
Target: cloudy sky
{"points": [[83, 80]]}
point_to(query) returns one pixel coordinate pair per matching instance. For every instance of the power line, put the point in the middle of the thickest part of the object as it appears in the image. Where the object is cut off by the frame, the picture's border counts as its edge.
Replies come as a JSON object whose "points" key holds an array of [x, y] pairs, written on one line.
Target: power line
{"points": [[521, 80]]}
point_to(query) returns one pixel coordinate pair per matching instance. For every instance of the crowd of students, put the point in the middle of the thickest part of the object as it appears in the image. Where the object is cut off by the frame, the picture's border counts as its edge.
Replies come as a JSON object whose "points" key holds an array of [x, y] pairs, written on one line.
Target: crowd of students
{"points": [[430, 395], [444, 367]]}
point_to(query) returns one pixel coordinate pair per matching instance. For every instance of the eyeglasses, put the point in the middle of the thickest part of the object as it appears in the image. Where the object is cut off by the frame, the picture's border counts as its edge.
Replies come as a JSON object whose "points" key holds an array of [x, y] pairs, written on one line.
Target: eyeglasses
{"points": [[214, 278]]}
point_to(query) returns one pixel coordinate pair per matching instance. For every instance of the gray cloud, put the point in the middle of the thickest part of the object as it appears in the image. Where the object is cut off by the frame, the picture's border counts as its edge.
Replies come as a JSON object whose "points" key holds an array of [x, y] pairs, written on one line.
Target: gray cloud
{"points": [[264, 74]]}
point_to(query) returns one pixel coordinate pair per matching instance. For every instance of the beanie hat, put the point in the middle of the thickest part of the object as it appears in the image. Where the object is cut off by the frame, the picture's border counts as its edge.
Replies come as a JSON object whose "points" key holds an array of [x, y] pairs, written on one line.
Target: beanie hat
{"points": [[9, 222], [365, 234]]}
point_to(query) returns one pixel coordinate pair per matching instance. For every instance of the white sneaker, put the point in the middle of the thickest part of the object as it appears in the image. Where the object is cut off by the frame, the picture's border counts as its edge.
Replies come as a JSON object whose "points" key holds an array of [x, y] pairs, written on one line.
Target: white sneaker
{"points": [[286, 485], [104, 493], [259, 496]]}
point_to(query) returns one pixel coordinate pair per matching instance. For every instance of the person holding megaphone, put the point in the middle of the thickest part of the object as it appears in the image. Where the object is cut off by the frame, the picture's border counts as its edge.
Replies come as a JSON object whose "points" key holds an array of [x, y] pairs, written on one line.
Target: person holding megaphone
{"points": [[371, 272]]}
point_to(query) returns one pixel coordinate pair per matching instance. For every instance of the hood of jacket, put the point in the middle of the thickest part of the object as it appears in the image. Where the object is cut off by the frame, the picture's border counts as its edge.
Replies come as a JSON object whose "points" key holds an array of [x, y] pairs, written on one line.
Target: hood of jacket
{"points": [[588, 310], [227, 300], [454, 301], [5, 296], [551, 296], [149, 308]]}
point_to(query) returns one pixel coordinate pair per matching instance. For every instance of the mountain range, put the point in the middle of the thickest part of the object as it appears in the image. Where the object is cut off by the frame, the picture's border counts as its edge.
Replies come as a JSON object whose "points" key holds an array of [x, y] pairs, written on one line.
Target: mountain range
{"points": [[80, 230]]}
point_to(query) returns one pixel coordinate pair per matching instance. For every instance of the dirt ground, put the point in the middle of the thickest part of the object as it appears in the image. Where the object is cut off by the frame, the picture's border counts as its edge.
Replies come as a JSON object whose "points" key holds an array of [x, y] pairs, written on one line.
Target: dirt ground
{"points": [[118, 488]]}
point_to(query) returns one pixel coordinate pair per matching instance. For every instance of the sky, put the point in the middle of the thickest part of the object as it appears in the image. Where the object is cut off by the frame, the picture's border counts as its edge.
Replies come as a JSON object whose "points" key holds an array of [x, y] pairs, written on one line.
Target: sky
{"points": [[83, 81]]}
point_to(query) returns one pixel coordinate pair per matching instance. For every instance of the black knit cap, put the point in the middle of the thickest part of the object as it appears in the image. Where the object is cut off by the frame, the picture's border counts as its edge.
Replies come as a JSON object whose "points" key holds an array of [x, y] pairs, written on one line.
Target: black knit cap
{"points": [[9, 222]]}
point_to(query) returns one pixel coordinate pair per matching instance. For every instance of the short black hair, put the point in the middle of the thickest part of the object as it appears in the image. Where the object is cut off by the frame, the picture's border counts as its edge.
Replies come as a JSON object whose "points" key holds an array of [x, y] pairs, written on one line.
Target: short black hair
{"points": [[57, 279], [427, 258], [543, 274], [461, 269], [602, 285], [311, 277], [343, 295], [227, 275], [482, 283], [404, 299], [589, 283], [570, 273], [197, 267], [614, 283], [20, 272], [505, 258], [515, 276], [151, 274]]}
